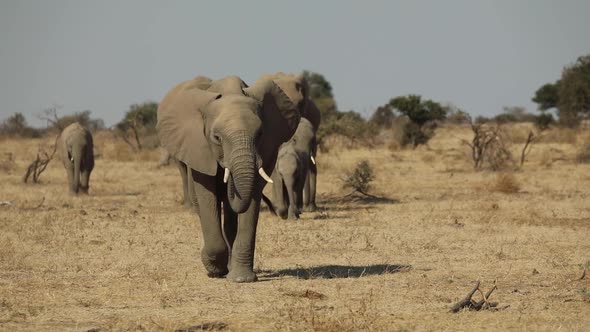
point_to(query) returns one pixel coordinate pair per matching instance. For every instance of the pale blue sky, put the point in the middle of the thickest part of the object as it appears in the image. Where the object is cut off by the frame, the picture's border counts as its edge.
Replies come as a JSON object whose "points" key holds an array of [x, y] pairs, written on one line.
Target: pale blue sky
{"points": [[105, 55]]}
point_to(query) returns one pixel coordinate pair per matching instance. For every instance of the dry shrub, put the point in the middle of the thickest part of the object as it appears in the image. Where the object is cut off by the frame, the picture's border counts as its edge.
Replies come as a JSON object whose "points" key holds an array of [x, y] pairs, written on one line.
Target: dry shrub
{"points": [[506, 183], [359, 180], [490, 147]]}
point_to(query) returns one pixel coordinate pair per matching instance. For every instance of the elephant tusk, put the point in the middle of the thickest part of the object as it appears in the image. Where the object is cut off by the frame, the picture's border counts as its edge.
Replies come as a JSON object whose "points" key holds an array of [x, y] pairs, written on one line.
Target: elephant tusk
{"points": [[226, 175], [313, 160], [264, 175]]}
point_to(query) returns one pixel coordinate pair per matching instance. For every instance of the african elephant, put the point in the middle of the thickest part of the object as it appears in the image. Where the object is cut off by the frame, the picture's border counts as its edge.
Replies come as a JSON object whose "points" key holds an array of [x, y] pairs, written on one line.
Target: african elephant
{"points": [[227, 135], [291, 171], [297, 88], [76, 150]]}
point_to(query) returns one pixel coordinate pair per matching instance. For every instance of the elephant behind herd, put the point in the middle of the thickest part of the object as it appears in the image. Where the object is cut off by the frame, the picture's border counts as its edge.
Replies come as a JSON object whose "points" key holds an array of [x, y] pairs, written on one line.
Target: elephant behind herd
{"points": [[226, 137], [75, 148]]}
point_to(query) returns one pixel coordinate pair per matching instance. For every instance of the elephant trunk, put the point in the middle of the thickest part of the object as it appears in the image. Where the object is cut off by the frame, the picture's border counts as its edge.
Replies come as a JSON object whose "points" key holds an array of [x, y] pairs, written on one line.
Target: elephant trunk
{"points": [[242, 173], [77, 156]]}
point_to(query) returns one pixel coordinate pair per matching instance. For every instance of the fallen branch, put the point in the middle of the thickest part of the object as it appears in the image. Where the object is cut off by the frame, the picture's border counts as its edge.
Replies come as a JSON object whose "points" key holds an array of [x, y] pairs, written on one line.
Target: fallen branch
{"points": [[469, 303]]}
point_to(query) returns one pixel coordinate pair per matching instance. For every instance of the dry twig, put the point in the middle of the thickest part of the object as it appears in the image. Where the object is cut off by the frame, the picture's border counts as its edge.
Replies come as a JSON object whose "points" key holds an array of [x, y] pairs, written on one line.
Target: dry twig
{"points": [[469, 303]]}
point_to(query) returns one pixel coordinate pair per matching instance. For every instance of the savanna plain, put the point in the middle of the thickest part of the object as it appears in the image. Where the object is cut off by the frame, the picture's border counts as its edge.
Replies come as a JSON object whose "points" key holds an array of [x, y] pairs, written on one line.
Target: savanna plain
{"points": [[126, 256]]}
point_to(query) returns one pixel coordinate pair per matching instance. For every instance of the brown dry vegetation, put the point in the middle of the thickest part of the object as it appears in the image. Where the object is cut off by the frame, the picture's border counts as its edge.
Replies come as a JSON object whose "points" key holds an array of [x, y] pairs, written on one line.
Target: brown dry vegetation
{"points": [[126, 256]]}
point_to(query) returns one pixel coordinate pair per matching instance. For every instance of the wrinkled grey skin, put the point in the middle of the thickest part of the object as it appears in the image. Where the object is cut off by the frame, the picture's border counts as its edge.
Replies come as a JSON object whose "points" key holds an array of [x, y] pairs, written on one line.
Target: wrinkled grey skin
{"points": [[297, 88], [76, 150], [208, 126], [291, 170]]}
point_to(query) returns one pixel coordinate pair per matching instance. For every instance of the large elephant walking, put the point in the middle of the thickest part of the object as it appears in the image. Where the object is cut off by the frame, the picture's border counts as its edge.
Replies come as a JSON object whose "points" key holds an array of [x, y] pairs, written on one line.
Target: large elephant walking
{"points": [[227, 135], [76, 151]]}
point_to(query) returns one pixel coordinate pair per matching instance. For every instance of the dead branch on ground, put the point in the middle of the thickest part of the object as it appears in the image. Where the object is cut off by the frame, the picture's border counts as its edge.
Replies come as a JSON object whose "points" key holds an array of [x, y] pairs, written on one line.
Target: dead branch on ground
{"points": [[471, 304]]}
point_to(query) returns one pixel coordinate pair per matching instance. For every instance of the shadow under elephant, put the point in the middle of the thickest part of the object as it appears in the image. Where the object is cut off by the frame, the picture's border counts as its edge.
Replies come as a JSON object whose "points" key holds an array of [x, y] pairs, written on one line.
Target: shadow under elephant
{"points": [[336, 271]]}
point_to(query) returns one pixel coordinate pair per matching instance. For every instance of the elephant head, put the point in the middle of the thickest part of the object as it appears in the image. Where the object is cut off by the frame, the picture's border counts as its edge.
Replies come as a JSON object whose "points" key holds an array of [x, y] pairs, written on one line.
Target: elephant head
{"points": [[225, 126], [297, 89]]}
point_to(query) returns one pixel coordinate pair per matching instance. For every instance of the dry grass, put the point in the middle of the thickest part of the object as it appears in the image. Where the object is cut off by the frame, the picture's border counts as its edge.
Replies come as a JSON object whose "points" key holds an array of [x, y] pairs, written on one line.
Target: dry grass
{"points": [[506, 183], [126, 256]]}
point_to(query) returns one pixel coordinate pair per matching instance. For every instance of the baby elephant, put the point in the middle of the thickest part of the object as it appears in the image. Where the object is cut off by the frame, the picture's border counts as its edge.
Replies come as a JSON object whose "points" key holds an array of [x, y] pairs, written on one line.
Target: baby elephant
{"points": [[77, 153], [291, 169]]}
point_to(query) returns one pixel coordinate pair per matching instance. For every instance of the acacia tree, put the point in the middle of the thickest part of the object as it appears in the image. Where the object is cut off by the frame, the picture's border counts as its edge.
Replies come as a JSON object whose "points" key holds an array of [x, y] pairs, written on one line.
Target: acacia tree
{"points": [[139, 120], [570, 95], [422, 116], [418, 110], [383, 117]]}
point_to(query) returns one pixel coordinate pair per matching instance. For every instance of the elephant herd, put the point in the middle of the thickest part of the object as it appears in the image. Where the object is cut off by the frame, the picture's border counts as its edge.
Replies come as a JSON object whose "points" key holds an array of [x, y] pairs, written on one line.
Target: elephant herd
{"points": [[226, 137]]}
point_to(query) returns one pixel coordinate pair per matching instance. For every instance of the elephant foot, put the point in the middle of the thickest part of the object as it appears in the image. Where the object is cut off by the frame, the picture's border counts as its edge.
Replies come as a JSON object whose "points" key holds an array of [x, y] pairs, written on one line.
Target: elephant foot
{"points": [[293, 215], [242, 275], [216, 267], [310, 208], [282, 213]]}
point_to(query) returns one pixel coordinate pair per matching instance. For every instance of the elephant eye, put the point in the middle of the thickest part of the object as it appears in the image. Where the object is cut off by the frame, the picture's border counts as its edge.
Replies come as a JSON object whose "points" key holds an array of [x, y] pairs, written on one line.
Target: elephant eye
{"points": [[217, 138]]}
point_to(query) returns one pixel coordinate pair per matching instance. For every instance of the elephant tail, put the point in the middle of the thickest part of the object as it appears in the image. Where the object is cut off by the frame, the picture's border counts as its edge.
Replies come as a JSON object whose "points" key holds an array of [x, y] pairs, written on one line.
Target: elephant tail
{"points": [[271, 208]]}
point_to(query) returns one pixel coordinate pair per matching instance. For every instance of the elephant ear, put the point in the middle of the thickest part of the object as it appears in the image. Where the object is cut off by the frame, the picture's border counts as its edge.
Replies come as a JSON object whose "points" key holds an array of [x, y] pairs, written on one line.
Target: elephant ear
{"points": [[180, 126], [279, 115]]}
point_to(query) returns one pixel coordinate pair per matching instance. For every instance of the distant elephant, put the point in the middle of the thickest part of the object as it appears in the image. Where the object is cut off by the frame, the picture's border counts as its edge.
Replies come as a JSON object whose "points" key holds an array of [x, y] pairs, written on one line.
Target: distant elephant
{"points": [[227, 135], [297, 88], [291, 171], [76, 150]]}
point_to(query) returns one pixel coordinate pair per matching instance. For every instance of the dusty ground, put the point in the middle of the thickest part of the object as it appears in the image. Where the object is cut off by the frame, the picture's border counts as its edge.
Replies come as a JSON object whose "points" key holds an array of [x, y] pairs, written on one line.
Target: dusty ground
{"points": [[126, 256]]}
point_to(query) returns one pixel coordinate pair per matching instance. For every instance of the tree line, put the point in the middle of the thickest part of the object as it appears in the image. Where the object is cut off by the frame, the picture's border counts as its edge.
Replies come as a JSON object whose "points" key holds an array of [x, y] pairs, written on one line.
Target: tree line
{"points": [[412, 116]]}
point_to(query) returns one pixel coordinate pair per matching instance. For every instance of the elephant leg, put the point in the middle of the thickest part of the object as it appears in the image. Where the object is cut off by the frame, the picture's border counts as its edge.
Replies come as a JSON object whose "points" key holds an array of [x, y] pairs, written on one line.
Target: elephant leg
{"points": [[191, 197], [84, 181], [278, 195], [230, 226], [312, 175], [214, 253], [299, 187], [242, 257], [182, 169], [292, 195], [70, 171], [306, 188]]}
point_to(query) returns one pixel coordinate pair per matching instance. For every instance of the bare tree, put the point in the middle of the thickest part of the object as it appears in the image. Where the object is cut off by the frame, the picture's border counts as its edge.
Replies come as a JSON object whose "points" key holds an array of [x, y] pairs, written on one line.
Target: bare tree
{"points": [[487, 145], [40, 163], [527, 146]]}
